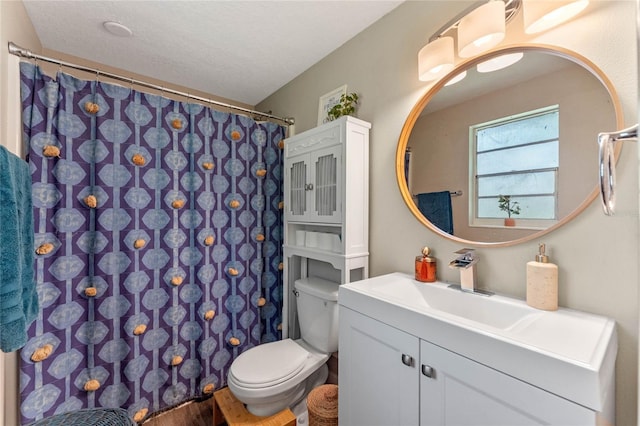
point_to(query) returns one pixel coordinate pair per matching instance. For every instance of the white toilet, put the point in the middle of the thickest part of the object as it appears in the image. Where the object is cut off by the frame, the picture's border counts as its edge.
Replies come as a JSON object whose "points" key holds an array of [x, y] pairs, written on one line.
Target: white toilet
{"points": [[271, 377]]}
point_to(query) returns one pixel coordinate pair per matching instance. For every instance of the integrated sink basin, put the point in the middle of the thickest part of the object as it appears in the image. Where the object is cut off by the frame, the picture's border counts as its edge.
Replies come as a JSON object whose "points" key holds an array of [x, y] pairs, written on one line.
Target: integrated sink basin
{"points": [[567, 352], [494, 311]]}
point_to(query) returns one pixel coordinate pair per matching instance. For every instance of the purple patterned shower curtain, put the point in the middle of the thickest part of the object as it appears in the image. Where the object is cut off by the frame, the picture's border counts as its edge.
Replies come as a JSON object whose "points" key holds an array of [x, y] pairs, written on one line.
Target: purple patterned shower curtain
{"points": [[159, 230]]}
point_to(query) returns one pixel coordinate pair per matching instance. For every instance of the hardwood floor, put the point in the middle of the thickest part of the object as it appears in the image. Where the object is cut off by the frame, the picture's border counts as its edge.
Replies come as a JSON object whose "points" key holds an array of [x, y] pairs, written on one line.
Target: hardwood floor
{"points": [[193, 413], [200, 412]]}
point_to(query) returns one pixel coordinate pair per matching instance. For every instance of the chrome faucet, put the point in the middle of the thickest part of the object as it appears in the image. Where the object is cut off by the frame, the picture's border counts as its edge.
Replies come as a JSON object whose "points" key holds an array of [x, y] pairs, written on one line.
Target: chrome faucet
{"points": [[466, 263]]}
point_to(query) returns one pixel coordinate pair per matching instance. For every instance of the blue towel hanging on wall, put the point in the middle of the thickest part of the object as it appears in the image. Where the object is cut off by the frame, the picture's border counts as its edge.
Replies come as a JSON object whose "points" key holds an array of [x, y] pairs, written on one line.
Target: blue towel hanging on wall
{"points": [[18, 297], [436, 207]]}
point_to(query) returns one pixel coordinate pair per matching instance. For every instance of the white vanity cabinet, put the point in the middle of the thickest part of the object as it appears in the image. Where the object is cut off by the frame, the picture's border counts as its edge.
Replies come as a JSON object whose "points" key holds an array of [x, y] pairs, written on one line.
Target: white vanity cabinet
{"points": [[389, 377], [326, 205], [426, 354]]}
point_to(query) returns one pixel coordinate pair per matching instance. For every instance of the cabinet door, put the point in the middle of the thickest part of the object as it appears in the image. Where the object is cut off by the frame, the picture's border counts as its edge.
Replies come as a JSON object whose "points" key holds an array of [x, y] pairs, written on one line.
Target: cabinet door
{"points": [[455, 390], [313, 186], [327, 185], [297, 187], [378, 373]]}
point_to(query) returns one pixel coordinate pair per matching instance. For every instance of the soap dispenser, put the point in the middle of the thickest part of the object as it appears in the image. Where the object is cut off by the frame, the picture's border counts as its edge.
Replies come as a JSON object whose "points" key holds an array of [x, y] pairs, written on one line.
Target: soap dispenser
{"points": [[542, 282]]}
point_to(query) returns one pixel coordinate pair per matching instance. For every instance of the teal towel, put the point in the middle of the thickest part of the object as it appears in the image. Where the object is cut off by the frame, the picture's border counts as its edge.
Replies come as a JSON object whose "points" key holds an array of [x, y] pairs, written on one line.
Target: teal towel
{"points": [[436, 206], [18, 296]]}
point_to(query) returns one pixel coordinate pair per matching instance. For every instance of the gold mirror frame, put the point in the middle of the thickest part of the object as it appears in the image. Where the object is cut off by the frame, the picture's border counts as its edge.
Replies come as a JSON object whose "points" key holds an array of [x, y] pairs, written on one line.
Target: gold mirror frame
{"points": [[422, 103]]}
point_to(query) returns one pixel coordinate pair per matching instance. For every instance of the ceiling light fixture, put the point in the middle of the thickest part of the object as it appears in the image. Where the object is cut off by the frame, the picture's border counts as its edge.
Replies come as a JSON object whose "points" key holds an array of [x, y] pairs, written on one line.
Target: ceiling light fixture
{"points": [[500, 62], [542, 15], [117, 29]]}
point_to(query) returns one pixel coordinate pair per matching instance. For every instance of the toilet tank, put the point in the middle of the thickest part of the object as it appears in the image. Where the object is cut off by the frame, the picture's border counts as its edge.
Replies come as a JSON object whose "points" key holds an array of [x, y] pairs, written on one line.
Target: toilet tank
{"points": [[317, 304]]}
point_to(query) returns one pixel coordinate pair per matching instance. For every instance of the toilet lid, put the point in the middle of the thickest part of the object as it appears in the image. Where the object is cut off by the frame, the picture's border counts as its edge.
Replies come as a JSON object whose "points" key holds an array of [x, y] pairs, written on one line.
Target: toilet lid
{"points": [[269, 364]]}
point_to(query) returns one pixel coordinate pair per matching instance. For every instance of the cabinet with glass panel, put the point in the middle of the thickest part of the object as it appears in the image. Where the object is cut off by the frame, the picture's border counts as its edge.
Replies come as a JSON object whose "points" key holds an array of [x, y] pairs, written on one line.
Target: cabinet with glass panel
{"points": [[326, 187]]}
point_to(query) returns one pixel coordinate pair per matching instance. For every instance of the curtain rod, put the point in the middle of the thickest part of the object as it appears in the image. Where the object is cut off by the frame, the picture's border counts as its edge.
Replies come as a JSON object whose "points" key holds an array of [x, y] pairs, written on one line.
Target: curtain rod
{"points": [[26, 53]]}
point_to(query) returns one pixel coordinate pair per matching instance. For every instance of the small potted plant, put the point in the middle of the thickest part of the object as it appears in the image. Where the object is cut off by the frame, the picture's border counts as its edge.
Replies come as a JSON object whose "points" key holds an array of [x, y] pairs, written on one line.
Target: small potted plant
{"points": [[511, 207], [346, 106]]}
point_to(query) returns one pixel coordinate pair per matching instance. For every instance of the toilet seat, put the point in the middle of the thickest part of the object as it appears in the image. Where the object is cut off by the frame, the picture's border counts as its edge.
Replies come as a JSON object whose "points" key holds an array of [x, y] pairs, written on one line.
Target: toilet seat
{"points": [[269, 364]]}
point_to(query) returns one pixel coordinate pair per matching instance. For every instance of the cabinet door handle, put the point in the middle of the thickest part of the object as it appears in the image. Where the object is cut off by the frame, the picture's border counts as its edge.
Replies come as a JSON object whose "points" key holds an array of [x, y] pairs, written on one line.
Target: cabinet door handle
{"points": [[407, 360], [308, 187], [427, 371]]}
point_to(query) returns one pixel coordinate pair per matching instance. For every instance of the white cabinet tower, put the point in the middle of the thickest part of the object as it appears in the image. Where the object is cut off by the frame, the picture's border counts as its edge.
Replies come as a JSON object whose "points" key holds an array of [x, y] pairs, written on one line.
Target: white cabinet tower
{"points": [[326, 205]]}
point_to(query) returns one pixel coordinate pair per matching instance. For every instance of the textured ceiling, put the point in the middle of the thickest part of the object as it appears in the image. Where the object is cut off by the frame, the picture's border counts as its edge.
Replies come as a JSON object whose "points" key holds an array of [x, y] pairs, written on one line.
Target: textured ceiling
{"points": [[240, 50]]}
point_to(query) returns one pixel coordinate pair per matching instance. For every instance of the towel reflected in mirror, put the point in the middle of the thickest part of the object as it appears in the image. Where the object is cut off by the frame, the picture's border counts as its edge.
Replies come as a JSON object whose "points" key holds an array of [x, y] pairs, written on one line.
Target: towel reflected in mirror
{"points": [[436, 207]]}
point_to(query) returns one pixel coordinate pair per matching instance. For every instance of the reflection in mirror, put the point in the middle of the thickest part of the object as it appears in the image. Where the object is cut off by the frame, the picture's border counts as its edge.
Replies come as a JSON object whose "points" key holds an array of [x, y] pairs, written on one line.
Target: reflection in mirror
{"points": [[526, 132]]}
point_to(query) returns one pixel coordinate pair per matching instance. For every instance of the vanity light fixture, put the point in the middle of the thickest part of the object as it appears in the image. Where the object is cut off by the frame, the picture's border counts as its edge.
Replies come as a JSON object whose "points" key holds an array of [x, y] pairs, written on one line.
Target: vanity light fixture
{"points": [[542, 15], [499, 62], [479, 28], [482, 26], [435, 59]]}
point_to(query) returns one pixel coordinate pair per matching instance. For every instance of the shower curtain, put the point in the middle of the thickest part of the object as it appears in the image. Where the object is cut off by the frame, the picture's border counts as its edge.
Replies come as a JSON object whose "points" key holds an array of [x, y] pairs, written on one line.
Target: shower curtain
{"points": [[158, 231]]}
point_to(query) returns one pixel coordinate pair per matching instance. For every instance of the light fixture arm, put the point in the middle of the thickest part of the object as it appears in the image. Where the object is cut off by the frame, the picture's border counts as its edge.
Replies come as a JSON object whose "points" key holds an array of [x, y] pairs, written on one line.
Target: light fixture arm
{"points": [[511, 8]]}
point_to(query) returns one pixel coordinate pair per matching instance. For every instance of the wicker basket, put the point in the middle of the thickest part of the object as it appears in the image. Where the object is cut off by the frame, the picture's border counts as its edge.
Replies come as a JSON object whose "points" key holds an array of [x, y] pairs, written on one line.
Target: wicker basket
{"points": [[322, 405]]}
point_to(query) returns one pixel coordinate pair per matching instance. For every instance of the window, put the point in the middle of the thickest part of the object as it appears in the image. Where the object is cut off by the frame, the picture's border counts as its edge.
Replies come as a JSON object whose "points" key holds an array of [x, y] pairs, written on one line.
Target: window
{"points": [[516, 156]]}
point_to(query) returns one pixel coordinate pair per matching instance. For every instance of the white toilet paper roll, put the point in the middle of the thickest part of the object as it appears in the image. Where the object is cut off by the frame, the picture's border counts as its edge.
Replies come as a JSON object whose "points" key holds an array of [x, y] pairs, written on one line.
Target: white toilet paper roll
{"points": [[324, 241], [311, 239], [300, 237]]}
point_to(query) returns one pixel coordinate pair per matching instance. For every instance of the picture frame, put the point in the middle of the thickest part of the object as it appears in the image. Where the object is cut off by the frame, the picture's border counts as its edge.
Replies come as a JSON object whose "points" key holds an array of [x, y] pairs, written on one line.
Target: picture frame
{"points": [[327, 101]]}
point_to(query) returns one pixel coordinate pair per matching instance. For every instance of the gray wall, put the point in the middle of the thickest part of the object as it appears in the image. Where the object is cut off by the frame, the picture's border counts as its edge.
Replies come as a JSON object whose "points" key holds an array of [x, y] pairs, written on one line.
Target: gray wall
{"points": [[597, 255]]}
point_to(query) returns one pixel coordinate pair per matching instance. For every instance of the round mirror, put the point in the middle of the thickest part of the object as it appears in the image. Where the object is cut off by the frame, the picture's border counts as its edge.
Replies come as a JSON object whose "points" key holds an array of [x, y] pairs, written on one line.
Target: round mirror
{"points": [[508, 154]]}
